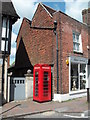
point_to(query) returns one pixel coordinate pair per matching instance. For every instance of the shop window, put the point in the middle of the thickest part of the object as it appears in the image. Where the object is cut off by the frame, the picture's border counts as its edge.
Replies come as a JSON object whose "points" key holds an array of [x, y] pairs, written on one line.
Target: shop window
{"points": [[77, 42], [74, 77], [82, 76], [78, 77]]}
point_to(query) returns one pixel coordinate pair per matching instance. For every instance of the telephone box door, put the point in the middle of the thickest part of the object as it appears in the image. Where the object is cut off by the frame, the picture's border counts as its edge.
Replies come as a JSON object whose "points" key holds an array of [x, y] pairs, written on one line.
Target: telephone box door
{"points": [[46, 85], [36, 85]]}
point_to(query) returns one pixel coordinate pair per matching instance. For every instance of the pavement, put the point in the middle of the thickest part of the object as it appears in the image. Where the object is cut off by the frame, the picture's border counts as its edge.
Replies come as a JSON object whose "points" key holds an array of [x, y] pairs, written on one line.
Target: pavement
{"points": [[30, 107]]}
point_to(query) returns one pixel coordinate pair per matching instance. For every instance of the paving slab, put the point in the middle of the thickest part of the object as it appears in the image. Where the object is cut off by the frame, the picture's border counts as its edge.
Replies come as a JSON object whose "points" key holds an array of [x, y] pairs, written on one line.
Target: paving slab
{"points": [[27, 107]]}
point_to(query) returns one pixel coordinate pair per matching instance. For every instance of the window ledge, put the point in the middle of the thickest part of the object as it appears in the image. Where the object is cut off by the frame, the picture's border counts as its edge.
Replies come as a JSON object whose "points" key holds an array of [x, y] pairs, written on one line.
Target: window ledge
{"points": [[78, 52], [77, 92]]}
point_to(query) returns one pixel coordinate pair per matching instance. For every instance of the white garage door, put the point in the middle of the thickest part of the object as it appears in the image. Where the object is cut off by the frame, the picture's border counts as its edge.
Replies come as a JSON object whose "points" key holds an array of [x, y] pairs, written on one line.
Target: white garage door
{"points": [[17, 89]]}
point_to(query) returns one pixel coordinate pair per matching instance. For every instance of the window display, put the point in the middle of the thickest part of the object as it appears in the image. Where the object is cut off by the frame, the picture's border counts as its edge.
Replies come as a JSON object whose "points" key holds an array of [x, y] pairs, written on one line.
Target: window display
{"points": [[74, 77], [82, 76], [78, 76]]}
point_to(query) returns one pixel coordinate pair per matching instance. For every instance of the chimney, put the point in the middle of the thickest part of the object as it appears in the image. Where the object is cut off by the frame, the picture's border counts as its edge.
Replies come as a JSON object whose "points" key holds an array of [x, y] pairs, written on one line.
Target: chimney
{"points": [[89, 4], [86, 15]]}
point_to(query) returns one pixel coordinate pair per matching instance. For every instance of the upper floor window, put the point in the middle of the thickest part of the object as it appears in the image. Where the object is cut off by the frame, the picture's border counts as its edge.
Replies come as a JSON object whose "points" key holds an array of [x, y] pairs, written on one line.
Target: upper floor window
{"points": [[77, 42]]}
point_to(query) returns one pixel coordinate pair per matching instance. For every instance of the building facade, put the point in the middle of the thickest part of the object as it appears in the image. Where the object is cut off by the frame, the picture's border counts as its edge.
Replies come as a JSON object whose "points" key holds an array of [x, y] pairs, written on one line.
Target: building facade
{"points": [[36, 43], [8, 17]]}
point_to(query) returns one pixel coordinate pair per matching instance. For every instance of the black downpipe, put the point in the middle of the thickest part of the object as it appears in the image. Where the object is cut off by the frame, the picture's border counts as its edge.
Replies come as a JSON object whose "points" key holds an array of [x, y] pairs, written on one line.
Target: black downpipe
{"points": [[60, 56], [55, 27], [57, 63]]}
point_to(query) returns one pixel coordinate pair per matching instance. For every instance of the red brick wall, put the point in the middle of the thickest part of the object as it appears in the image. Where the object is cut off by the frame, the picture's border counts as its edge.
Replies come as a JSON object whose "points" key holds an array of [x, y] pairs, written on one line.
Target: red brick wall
{"points": [[68, 25], [89, 42], [42, 18], [40, 44], [24, 30]]}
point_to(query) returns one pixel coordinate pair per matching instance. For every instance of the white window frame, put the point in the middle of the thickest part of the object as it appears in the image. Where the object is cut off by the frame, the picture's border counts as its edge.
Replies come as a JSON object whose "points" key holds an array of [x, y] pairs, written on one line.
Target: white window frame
{"points": [[3, 45], [4, 28], [77, 42]]}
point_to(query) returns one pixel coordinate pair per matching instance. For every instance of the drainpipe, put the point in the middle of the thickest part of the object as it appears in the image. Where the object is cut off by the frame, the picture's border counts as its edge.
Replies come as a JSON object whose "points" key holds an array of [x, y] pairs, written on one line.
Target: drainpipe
{"points": [[60, 54], [55, 27]]}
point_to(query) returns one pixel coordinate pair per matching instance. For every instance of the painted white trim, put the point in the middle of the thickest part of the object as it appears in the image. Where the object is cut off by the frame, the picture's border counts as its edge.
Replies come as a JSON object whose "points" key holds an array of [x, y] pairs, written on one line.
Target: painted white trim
{"points": [[69, 73], [79, 76], [81, 47], [88, 77], [65, 97], [46, 10], [71, 116], [5, 77], [86, 74], [78, 51], [77, 92], [8, 98]]}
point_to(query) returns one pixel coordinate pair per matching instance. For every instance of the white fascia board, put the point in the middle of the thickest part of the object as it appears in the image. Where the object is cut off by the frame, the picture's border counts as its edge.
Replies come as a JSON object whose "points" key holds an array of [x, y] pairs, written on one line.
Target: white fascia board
{"points": [[46, 10]]}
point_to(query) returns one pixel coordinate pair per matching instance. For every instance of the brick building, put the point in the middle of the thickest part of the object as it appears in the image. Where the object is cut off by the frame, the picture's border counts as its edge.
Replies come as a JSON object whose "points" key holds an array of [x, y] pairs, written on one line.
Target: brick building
{"points": [[36, 43]]}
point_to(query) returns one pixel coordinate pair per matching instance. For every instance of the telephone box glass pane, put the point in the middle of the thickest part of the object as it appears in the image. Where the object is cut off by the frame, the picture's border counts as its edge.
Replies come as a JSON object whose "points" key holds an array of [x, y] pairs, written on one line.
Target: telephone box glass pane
{"points": [[36, 83], [45, 84]]}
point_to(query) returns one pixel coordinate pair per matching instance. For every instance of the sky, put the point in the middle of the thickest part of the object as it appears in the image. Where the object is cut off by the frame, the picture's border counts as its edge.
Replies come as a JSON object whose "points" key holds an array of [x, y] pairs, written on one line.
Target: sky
{"points": [[27, 8]]}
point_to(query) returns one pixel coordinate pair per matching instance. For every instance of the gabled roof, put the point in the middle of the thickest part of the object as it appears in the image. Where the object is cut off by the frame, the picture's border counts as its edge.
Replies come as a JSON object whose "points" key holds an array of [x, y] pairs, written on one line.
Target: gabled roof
{"points": [[8, 9], [49, 10], [28, 21]]}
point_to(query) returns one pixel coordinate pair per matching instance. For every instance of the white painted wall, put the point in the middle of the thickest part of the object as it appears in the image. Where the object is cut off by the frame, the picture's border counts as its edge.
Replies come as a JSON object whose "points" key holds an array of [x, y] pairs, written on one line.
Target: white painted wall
{"points": [[28, 86], [5, 80], [4, 34], [88, 78], [65, 97]]}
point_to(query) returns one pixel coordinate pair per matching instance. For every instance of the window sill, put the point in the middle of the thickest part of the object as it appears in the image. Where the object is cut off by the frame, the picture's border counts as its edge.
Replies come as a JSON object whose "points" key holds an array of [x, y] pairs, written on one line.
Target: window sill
{"points": [[78, 52], [77, 92]]}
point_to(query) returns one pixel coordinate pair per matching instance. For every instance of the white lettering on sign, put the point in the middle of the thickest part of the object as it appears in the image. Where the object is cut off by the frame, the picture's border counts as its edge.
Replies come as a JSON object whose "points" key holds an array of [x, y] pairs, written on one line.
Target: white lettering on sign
{"points": [[79, 59], [37, 68], [46, 67]]}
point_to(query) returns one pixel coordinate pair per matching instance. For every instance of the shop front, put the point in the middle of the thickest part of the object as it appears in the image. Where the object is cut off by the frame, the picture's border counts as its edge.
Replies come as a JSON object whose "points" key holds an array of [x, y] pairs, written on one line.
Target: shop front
{"points": [[78, 77], [78, 74]]}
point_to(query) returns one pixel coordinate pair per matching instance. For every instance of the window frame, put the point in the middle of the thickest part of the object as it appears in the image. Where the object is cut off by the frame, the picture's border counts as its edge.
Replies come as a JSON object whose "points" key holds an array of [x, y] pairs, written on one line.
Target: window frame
{"points": [[73, 60], [77, 42], [78, 76]]}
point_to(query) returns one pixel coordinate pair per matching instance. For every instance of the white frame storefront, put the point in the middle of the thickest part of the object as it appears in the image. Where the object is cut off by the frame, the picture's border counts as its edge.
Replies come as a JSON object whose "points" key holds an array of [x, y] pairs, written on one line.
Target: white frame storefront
{"points": [[77, 60], [77, 93]]}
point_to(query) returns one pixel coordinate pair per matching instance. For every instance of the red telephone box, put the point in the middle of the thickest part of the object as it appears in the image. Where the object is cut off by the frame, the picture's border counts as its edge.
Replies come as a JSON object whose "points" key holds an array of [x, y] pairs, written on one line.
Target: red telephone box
{"points": [[42, 83]]}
